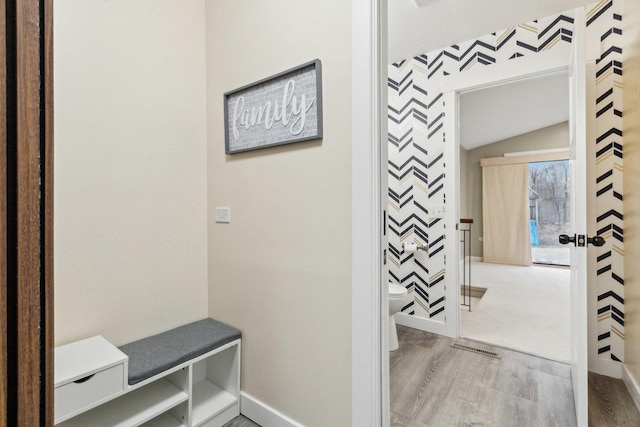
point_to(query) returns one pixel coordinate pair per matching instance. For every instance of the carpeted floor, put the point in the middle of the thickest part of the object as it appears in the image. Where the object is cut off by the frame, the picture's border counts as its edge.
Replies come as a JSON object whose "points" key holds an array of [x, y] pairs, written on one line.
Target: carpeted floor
{"points": [[524, 308]]}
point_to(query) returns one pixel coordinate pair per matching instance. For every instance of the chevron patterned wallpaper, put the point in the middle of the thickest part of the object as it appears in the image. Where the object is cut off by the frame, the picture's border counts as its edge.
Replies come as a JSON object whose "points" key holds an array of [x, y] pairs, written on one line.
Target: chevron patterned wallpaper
{"points": [[416, 166], [604, 26]]}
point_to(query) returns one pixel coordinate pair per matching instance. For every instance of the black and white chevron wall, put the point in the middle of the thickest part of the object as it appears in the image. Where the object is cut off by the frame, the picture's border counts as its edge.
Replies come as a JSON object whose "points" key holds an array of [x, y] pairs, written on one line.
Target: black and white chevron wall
{"points": [[416, 166], [604, 26]]}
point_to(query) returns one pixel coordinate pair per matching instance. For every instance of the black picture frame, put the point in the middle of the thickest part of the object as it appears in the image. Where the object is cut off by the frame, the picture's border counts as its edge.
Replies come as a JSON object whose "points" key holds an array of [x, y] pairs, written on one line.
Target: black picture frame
{"points": [[247, 110]]}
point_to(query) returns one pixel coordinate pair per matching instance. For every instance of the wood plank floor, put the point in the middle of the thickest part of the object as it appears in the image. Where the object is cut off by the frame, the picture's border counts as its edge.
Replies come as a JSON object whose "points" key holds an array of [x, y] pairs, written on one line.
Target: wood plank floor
{"points": [[241, 421], [610, 404], [433, 384]]}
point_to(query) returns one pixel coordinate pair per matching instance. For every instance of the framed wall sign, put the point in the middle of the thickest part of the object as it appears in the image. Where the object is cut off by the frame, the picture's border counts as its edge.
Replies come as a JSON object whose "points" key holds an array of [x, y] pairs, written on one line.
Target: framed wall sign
{"points": [[281, 109]]}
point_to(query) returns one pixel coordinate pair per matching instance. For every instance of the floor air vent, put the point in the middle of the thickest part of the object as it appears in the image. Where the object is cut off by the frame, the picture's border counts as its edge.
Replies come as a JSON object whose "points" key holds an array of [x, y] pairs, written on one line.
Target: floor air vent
{"points": [[476, 350]]}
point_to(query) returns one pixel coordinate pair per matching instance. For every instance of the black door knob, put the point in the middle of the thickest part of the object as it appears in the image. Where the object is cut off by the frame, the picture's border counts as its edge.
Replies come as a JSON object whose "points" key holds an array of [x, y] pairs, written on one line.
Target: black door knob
{"points": [[596, 240], [565, 239]]}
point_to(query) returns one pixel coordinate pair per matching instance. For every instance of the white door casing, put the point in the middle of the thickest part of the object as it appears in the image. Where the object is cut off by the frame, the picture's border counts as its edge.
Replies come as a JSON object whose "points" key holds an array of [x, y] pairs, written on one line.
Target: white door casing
{"points": [[370, 371], [370, 366], [541, 65]]}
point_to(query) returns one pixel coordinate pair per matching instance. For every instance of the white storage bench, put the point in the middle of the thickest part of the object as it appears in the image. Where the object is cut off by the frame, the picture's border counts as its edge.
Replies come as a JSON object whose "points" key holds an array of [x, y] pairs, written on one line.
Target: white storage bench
{"points": [[188, 376]]}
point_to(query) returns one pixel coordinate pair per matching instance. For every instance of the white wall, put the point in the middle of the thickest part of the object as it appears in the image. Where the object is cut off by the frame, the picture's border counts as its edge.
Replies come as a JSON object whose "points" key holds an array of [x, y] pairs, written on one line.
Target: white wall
{"points": [[130, 167], [281, 270]]}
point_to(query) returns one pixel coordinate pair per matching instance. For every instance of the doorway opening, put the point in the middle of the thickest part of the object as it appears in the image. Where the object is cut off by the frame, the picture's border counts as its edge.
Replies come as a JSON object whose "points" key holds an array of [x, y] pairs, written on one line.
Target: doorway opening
{"points": [[515, 188], [408, 87]]}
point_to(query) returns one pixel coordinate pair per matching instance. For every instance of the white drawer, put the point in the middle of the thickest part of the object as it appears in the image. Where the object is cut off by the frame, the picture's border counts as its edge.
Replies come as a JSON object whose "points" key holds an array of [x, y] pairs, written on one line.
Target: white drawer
{"points": [[86, 392]]}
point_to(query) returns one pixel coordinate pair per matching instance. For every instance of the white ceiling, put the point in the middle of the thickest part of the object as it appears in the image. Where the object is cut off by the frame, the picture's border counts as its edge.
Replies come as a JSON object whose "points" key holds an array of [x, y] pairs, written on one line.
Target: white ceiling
{"points": [[500, 112], [440, 23]]}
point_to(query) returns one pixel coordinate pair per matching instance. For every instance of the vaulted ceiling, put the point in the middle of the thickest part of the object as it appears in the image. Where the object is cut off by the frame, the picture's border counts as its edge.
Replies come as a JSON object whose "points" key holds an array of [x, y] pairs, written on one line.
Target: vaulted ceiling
{"points": [[440, 23], [421, 26], [500, 112]]}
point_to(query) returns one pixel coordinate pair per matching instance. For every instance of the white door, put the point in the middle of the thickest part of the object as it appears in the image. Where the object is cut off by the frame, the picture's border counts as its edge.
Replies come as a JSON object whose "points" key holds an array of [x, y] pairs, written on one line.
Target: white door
{"points": [[578, 122]]}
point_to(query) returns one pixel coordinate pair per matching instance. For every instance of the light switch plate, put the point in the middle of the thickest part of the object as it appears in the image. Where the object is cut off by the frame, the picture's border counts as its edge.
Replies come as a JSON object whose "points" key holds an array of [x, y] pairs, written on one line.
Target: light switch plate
{"points": [[223, 215]]}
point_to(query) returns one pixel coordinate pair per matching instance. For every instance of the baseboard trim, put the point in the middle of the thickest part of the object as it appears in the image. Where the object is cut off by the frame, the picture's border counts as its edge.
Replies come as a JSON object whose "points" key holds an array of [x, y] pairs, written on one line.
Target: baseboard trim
{"points": [[423, 324], [467, 258], [632, 385], [263, 414]]}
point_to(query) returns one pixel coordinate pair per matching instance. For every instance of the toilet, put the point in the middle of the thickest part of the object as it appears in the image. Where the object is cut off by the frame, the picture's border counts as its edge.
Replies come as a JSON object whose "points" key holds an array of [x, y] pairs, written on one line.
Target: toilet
{"points": [[397, 300]]}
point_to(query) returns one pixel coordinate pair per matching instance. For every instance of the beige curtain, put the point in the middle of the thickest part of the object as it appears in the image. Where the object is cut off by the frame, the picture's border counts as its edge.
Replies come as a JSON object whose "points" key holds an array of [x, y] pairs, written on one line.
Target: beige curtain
{"points": [[505, 211]]}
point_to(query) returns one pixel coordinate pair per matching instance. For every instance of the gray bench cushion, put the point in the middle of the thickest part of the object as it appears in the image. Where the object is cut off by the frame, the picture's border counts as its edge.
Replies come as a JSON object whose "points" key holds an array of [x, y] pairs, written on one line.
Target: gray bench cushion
{"points": [[153, 355]]}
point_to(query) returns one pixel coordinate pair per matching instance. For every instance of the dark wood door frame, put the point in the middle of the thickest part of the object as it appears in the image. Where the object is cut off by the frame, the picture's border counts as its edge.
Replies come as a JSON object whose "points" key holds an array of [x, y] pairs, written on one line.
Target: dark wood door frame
{"points": [[26, 217], [3, 213]]}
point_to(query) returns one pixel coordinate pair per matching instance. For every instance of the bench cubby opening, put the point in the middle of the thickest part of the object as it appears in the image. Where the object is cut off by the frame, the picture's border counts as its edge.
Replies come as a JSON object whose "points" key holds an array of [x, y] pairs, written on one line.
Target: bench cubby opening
{"points": [[216, 385]]}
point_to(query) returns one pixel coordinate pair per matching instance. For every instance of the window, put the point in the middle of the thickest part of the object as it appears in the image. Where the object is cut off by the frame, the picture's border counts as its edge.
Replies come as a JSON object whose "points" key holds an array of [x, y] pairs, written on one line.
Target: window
{"points": [[549, 211]]}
